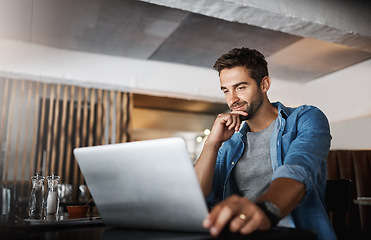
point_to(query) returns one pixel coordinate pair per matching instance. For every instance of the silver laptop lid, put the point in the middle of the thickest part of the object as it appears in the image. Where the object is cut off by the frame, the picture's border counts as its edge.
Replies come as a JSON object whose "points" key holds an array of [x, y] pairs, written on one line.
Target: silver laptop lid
{"points": [[147, 184]]}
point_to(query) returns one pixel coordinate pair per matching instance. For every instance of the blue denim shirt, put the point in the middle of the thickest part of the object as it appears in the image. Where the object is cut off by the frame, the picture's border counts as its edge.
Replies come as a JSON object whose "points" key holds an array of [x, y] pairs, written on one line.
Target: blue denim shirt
{"points": [[299, 147]]}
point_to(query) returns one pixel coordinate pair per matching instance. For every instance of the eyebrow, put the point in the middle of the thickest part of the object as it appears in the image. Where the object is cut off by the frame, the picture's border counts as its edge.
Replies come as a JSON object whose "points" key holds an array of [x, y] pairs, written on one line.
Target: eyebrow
{"points": [[235, 85]]}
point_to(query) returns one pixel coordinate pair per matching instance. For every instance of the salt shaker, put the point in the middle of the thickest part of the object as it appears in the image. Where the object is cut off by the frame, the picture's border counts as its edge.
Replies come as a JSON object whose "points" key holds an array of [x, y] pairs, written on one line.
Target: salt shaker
{"points": [[52, 198], [36, 197]]}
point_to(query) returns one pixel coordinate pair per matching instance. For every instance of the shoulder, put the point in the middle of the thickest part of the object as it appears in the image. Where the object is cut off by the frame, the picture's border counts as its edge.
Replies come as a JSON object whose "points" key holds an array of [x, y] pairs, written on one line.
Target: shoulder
{"points": [[312, 119], [307, 114], [302, 111]]}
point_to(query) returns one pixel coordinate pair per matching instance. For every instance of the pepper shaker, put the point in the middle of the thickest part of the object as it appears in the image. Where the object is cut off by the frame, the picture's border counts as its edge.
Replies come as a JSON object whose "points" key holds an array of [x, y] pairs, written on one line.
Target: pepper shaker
{"points": [[35, 207]]}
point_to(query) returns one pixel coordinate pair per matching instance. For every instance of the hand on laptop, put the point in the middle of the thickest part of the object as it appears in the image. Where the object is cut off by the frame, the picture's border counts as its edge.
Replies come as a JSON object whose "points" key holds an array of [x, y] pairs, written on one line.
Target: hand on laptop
{"points": [[242, 215]]}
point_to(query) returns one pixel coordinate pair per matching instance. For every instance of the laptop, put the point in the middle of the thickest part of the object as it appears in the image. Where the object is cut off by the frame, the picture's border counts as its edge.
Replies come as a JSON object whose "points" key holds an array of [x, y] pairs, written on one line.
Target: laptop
{"points": [[147, 184]]}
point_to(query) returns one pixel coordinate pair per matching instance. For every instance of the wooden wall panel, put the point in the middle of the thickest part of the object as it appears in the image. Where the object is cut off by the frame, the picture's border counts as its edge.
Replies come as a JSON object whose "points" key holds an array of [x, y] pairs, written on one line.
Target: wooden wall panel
{"points": [[41, 124]]}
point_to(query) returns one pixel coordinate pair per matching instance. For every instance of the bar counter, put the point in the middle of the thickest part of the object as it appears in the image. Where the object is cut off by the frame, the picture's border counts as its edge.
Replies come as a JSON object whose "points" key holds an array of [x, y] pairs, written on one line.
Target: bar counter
{"points": [[11, 228]]}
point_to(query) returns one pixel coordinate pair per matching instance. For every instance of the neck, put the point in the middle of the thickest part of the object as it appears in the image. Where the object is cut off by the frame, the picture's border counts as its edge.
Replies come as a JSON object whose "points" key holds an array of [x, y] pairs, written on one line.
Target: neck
{"points": [[266, 114]]}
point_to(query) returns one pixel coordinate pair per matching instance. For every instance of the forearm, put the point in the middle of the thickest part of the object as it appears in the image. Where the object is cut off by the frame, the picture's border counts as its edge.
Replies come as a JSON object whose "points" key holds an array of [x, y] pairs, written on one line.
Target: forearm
{"points": [[285, 193], [223, 128], [205, 166]]}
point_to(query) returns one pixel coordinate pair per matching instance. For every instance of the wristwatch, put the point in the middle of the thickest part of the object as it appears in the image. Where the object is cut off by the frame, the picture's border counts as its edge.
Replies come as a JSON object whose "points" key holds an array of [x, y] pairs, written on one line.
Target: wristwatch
{"points": [[271, 211]]}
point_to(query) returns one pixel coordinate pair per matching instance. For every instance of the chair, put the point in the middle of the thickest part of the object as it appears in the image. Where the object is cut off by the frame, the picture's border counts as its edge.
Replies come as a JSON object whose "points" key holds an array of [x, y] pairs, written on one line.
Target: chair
{"points": [[338, 200], [362, 169]]}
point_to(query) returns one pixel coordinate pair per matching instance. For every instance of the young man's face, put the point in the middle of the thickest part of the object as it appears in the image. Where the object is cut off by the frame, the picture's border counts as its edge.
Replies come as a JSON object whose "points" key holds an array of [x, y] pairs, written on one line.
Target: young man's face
{"points": [[240, 90]]}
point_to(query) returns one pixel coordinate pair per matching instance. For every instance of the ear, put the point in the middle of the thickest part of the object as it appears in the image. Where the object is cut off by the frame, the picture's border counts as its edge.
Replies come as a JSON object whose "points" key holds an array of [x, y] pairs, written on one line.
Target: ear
{"points": [[265, 84]]}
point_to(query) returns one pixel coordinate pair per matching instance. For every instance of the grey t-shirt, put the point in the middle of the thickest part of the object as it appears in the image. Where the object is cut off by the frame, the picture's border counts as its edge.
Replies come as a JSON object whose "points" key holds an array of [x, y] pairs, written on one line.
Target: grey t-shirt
{"points": [[253, 172]]}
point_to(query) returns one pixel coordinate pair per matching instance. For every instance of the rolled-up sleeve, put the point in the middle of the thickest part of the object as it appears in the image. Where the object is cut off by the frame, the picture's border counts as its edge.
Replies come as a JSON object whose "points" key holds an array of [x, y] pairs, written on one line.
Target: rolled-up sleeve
{"points": [[305, 147]]}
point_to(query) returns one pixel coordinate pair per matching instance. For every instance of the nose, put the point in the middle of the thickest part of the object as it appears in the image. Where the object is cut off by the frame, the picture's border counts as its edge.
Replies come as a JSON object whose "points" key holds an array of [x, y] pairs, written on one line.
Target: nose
{"points": [[233, 98]]}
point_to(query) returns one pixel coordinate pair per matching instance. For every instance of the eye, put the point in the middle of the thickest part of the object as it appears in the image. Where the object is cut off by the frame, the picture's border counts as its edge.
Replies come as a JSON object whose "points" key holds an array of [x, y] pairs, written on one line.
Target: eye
{"points": [[241, 87], [225, 91]]}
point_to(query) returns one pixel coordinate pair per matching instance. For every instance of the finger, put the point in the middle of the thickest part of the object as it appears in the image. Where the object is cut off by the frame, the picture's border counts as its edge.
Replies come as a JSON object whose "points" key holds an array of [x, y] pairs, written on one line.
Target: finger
{"points": [[229, 121], [221, 220], [210, 219], [207, 223], [238, 222], [238, 125], [232, 122], [241, 113], [257, 222], [235, 121], [226, 119], [251, 225], [240, 116]]}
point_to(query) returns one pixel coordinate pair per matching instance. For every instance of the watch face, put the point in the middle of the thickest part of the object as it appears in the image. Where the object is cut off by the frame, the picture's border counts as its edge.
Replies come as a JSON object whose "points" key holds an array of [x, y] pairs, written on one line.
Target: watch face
{"points": [[272, 208]]}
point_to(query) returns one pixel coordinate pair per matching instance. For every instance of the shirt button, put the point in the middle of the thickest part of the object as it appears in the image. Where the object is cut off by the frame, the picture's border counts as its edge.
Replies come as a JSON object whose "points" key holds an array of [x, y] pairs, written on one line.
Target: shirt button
{"points": [[278, 143], [232, 163]]}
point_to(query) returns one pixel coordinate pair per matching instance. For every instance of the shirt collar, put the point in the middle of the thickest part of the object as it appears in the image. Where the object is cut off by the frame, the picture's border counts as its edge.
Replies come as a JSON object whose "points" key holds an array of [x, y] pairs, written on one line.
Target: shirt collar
{"points": [[283, 112]]}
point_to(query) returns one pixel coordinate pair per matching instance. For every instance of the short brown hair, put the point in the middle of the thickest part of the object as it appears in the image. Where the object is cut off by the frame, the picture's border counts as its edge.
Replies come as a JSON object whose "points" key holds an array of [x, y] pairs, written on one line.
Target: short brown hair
{"points": [[251, 59]]}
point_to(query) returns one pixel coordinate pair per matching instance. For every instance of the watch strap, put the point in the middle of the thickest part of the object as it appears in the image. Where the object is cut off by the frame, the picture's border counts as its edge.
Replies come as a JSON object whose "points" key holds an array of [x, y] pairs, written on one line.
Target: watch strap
{"points": [[273, 216]]}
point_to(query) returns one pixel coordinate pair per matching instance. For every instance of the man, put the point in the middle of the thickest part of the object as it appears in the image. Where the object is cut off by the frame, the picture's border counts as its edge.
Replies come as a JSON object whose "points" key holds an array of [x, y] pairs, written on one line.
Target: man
{"points": [[273, 169]]}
